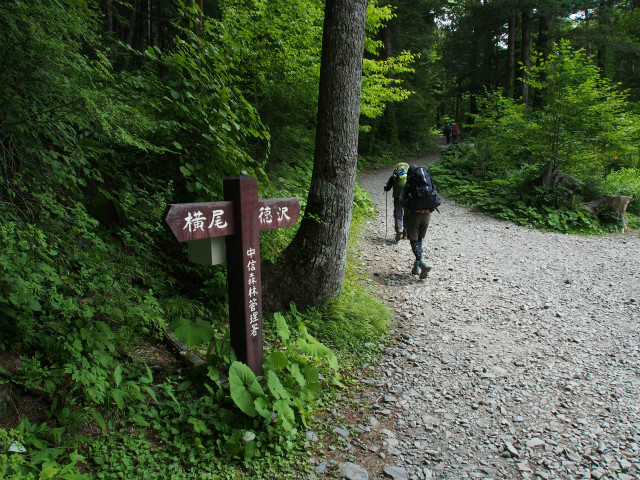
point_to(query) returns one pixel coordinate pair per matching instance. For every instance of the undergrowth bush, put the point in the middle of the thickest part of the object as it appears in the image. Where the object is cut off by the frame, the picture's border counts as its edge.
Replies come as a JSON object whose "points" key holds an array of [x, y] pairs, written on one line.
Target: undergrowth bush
{"points": [[625, 181], [510, 195]]}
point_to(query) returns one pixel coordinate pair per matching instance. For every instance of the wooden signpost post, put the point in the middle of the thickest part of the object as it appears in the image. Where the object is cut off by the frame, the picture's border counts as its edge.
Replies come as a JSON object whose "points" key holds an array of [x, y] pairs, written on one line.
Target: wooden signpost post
{"points": [[238, 219]]}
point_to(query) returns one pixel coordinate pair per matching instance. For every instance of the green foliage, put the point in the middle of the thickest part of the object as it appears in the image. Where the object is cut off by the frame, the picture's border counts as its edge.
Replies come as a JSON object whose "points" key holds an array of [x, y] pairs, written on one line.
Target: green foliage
{"points": [[211, 122], [291, 377], [583, 126], [26, 455], [509, 196]]}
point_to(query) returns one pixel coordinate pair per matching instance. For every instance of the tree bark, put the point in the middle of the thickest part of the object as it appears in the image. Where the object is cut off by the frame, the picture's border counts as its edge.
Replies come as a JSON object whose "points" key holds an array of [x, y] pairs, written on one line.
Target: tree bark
{"points": [[526, 52], [545, 45], [604, 20], [388, 34], [511, 53], [132, 26], [311, 269], [108, 16], [587, 49]]}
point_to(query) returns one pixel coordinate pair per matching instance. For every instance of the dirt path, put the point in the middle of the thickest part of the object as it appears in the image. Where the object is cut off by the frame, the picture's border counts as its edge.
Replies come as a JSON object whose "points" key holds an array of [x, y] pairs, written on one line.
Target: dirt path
{"points": [[517, 358]]}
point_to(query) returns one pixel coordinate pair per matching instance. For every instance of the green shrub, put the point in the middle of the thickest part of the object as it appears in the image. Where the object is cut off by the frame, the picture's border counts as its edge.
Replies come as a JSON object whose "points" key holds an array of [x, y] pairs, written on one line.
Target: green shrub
{"points": [[625, 181]]}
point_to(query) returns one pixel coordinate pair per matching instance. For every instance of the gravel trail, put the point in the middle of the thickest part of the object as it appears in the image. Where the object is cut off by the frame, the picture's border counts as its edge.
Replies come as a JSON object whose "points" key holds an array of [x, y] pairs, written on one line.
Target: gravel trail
{"points": [[517, 358]]}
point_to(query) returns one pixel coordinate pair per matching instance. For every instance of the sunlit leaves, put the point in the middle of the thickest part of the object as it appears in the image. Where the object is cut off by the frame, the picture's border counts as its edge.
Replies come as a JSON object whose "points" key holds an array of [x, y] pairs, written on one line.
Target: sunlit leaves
{"points": [[583, 124]]}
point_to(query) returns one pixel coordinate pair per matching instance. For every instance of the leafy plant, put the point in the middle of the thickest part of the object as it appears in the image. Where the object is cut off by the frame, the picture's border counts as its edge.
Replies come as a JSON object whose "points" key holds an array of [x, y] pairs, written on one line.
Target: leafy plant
{"points": [[291, 380], [25, 454]]}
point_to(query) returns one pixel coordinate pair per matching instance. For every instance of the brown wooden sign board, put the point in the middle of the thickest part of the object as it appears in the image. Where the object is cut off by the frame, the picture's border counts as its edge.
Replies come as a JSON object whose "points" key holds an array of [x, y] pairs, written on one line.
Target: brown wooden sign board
{"points": [[238, 218]]}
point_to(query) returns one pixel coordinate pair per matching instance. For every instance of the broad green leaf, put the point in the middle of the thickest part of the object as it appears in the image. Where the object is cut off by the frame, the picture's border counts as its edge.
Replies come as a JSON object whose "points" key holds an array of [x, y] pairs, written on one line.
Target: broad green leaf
{"points": [[275, 386], [34, 305], [276, 361], [311, 374], [213, 373], [294, 369], [312, 347], [282, 328], [285, 415], [119, 396], [262, 407], [199, 426], [244, 388], [192, 334], [250, 449]]}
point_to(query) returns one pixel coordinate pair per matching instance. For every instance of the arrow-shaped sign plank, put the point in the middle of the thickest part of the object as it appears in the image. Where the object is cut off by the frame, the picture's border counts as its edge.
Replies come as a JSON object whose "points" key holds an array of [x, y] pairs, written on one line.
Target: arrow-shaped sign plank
{"points": [[194, 221]]}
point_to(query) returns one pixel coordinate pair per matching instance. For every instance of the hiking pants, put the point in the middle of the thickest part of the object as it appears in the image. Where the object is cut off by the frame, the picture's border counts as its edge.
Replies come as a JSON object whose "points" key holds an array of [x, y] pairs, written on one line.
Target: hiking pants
{"points": [[398, 216], [417, 224]]}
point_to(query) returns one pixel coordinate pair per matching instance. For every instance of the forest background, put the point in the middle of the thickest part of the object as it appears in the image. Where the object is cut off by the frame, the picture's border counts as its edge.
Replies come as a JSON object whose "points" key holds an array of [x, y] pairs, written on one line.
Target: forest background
{"points": [[110, 110]]}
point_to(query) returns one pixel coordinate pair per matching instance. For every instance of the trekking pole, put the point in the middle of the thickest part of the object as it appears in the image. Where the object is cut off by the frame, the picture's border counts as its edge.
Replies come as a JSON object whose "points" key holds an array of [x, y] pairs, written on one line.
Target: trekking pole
{"points": [[386, 215]]}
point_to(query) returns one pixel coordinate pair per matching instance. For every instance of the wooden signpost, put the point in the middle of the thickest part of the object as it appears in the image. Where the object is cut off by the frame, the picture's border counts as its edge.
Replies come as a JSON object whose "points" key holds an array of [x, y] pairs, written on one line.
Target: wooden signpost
{"points": [[238, 219]]}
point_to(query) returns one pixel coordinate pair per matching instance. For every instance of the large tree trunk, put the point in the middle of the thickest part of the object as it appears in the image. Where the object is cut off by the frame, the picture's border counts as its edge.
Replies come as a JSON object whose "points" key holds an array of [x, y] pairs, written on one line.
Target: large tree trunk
{"points": [[526, 51], [311, 269]]}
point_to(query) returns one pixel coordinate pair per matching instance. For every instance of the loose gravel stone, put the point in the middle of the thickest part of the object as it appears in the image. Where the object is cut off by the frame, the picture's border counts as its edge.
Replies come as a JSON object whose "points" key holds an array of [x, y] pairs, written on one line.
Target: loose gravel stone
{"points": [[351, 471]]}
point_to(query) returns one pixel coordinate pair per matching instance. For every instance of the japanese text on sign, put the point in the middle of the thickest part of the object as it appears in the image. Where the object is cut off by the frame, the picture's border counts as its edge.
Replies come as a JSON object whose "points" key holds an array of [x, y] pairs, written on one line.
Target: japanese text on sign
{"points": [[252, 291], [196, 220]]}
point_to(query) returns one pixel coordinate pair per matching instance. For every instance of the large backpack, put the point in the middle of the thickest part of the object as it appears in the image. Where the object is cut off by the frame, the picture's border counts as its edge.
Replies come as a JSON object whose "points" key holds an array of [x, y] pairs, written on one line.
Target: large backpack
{"points": [[421, 192], [399, 177]]}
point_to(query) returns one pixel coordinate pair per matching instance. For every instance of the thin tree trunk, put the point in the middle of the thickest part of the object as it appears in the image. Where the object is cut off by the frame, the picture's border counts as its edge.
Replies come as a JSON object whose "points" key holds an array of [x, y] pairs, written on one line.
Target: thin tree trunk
{"points": [[108, 23], [544, 48], [388, 33], [587, 32], [108, 16], [544, 34], [604, 17], [200, 24], [526, 52], [132, 28], [149, 32], [311, 269], [511, 53]]}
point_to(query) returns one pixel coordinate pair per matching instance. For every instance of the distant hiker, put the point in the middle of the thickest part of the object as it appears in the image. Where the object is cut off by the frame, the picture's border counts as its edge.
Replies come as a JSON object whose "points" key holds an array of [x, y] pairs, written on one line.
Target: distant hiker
{"points": [[456, 132], [448, 132], [420, 197], [396, 181]]}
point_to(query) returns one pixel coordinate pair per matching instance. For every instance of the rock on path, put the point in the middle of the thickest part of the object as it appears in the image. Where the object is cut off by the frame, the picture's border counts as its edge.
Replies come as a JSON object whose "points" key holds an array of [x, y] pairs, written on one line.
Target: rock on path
{"points": [[517, 358]]}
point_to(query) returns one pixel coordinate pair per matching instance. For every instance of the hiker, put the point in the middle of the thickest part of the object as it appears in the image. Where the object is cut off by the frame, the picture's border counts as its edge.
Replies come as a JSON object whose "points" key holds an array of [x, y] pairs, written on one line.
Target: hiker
{"points": [[456, 132], [420, 197], [396, 181], [448, 132]]}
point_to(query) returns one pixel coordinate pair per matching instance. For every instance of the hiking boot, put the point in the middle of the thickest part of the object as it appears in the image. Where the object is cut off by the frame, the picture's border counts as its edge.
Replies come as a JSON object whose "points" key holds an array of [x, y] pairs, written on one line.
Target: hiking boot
{"points": [[398, 236], [424, 269], [416, 268]]}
